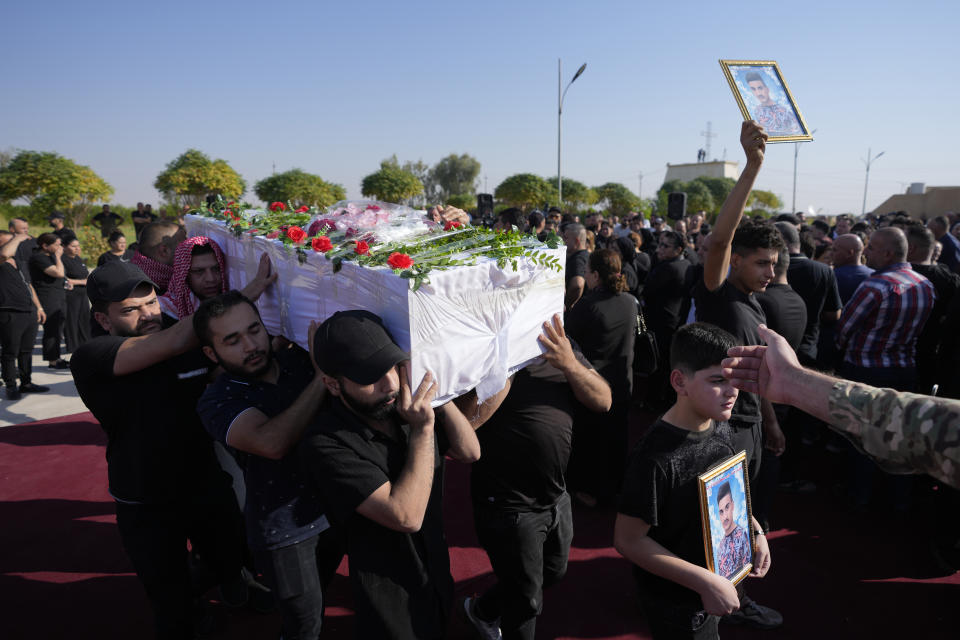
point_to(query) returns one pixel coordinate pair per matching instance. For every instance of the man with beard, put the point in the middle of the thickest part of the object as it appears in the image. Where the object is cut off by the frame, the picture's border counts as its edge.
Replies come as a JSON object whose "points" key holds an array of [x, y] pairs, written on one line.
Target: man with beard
{"points": [[261, 405], [376, 459], [161, 467]]}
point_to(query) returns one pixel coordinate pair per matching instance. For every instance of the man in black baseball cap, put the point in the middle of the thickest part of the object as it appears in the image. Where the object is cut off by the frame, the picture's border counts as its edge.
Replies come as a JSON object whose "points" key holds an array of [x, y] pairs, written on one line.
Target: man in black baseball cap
{"points": [[56, 221], [142, 382], [375, 458]]}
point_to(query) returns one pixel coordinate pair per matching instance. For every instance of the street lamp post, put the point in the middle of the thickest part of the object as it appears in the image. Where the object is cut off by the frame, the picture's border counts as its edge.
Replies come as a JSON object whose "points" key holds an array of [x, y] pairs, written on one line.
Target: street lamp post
{"points": [[560, 97], [866, 180], [796, 150]]}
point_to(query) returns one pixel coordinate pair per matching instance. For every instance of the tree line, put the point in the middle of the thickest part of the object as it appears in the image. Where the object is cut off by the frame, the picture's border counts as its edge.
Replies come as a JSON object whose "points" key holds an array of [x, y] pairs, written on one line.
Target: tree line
{"points": [[49, 182]]}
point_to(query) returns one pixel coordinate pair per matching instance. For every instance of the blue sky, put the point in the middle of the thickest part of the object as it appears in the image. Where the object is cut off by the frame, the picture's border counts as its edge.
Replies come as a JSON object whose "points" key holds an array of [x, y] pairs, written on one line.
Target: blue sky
{"points": [[333, 88]]}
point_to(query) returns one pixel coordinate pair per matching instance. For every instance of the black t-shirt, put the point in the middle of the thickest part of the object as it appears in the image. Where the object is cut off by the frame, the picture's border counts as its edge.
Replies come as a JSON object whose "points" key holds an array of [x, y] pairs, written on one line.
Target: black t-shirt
{"points": [[23, 253], [14, 291], [108, 220], [663, 295], [279, 510], [63, 234], [157, 450], [43, 283], [75, 268], [604, 326], [401, 581], [661, 488], [739, 313], [817, 285], [108, 256], [577, 265], [946, 284], [786, 312], [526, 443]]}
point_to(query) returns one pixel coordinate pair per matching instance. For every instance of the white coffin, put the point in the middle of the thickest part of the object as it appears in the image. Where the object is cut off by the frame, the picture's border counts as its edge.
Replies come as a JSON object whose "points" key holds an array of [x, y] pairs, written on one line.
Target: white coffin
{"points": [[471, 326]]}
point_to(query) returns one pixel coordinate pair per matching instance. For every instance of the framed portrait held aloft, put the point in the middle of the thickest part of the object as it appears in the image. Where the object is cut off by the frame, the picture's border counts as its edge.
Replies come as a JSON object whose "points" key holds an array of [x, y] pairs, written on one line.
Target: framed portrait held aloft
{"points": [[727, 516], [763, 95]]}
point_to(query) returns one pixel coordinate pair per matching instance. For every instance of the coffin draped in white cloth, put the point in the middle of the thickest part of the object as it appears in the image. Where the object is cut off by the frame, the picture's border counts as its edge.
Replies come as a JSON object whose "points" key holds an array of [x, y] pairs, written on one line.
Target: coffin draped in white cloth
{"points": [[471, 326]]}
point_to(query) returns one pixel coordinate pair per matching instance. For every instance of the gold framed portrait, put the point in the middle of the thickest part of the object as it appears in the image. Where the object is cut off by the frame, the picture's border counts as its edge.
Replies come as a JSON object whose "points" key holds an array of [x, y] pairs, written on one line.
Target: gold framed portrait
{"points": [[727, 517], [763, 95]]}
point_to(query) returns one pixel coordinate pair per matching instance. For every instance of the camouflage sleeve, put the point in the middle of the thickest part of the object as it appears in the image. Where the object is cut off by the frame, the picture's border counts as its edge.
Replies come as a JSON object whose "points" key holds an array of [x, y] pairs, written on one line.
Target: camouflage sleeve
{"points": [[901, 432]]}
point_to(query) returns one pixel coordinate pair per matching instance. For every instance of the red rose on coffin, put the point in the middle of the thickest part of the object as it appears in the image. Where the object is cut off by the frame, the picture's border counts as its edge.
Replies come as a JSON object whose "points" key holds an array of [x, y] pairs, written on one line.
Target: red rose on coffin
{"points": [[296, 234], [227, 213], [231, 203], [273, 235], [362, 248], [278, 206], [321, 244], [451, 225], [302, 209], [399, 261]]}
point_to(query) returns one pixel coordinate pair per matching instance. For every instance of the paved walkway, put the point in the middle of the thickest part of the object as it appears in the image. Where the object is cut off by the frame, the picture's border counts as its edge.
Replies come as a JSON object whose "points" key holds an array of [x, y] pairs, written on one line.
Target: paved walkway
{"points": [[61, 400]]}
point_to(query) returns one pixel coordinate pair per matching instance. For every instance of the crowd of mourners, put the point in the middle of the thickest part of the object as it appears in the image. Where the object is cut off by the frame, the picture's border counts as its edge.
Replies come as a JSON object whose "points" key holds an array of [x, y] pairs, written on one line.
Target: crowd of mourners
{"points": [[275, 462]]}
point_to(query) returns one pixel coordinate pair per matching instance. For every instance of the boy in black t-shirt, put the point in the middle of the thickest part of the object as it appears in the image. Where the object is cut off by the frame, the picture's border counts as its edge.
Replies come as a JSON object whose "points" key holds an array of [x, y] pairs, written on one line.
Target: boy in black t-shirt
{"points": [[658, 524]]}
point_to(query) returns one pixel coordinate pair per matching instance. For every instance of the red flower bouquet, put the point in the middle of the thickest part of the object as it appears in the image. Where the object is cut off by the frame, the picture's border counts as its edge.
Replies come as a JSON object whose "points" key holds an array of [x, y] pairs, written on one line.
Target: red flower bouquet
{"points": [[451, 225]]}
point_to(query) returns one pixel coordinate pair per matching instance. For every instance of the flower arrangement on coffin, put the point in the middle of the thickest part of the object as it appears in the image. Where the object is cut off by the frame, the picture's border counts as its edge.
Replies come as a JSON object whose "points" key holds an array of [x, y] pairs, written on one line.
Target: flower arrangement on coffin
{"points": [[382, 235]]}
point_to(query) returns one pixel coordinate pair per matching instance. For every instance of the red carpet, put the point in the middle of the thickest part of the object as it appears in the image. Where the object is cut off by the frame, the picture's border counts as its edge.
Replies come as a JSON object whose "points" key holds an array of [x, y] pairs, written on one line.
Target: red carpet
{"points": [[63, 573]]}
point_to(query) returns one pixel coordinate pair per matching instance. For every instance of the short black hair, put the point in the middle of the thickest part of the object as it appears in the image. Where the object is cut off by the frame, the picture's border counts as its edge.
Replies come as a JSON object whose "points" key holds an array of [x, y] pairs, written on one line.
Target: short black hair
{"points": [[115, 235], [787, 217], [512, 216], [723, 491], [535, 218], [822, 225], [783, 263], [753, 76], [676, 240], [215, 307], [921, 238], [752, 236], [699, 346]]}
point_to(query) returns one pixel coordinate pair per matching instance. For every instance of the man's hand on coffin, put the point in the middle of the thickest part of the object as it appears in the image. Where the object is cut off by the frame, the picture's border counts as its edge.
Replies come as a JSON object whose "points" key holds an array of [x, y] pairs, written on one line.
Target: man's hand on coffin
{"points": [[556, 344], [414, 408], [442, 215], [264, 278]]}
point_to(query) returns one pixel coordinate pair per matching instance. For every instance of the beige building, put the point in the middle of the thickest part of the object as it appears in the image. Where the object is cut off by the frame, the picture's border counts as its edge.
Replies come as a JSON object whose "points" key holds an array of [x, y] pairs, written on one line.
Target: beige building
{"points": [[923, 203], [715, 169]]}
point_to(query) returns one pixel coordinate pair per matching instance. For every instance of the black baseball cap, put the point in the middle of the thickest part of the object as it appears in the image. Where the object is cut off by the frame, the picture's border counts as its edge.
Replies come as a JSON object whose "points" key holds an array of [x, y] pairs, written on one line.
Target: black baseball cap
{"points": [[115, 281], [356, 345]]}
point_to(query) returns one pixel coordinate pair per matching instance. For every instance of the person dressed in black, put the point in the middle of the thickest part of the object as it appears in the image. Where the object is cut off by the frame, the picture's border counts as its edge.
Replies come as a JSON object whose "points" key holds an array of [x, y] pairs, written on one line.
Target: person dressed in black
{"points": [[260, 406], [141, 217], [604, 325], [48, 277], [20, 227], [376, 459], [76, 324], [520, 504], [106, 221], [575, 237], [663, 299], [118, 249], [142, 383], [740, 263], [56, 221], [19, 314]]}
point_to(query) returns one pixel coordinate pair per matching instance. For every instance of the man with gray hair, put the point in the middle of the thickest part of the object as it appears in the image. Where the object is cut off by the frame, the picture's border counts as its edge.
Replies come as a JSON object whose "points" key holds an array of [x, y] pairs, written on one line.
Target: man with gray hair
{"points": [[877, 335], [950, 256], [847, 265], [575, 236]]}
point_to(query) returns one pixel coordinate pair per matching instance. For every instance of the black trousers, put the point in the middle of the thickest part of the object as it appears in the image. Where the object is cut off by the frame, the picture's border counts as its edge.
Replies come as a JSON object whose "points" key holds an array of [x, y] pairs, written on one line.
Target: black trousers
{"points": [[528, 551], [55, 306], [18, 332], [155, 539], [298, 574], [76, 326]]}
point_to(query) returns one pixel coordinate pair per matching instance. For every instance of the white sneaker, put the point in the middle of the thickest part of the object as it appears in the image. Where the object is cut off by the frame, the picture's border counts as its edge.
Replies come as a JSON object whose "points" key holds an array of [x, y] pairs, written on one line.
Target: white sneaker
{"points": [[483, 629]]}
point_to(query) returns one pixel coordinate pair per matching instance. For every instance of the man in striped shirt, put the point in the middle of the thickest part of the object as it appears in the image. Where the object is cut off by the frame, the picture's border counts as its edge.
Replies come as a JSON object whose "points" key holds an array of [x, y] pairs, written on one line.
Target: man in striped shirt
{"points": [[877, 334]]}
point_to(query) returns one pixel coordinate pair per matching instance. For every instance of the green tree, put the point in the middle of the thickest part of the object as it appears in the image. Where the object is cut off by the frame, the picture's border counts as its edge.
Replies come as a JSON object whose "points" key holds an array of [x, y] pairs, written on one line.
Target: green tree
{"points": [[465, 201], [299, 188], [616, 198], [48, 181], [189, 178], [719, 188], [699, 195], [764, 200], [422, 171], [455, 175], [576, 195], [523, 190], [391, 183]]}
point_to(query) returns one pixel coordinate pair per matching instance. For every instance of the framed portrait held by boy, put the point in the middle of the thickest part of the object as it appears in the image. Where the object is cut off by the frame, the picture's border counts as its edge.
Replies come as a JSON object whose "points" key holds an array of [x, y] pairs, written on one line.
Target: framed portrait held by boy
{"points": [[763, 95], [726, 514]]}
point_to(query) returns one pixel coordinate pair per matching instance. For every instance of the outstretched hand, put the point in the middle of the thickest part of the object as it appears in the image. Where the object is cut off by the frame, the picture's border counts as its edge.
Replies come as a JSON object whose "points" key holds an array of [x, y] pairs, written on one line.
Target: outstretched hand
{"points": [[264, 278], [765, 370], [753, 138]]}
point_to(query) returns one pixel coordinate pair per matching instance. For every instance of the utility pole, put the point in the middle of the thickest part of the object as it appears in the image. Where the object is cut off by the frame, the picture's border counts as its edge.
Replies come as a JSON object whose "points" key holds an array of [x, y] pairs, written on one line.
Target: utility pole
{"points": [[866, 180], [560, 97], [796, 150], [708, 134]]}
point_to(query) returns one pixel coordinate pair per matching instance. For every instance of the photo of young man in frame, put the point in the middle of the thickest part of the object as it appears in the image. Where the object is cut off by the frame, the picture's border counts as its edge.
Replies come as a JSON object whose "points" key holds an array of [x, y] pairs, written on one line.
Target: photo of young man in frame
{"points": [[763, 96], [725, 505]]}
